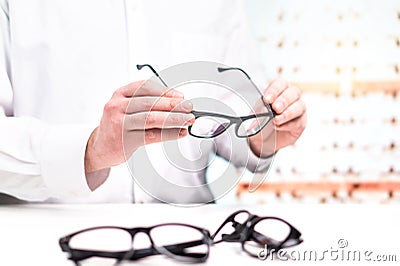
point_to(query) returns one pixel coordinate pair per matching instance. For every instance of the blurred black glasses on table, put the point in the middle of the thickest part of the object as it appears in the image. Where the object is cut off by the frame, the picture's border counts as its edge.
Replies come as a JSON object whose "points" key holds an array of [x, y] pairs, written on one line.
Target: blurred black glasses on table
{"points": [[181, 242], [256, 233], [210, 125]]}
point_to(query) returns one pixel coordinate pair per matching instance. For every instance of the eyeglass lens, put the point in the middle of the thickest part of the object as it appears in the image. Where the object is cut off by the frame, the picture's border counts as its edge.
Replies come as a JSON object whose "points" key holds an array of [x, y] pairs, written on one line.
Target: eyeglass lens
{"points": [[268, 232], [209, 126], [253, 125]]}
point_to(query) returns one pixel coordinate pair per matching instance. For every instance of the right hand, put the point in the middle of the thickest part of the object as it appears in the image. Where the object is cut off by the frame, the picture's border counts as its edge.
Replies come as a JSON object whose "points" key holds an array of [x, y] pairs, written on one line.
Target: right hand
{"points": [[137, 114]]}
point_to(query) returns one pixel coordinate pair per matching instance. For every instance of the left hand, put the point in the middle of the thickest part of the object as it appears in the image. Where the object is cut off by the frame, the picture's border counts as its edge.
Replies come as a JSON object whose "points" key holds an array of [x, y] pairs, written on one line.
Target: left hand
{"points": [[290, 120]]}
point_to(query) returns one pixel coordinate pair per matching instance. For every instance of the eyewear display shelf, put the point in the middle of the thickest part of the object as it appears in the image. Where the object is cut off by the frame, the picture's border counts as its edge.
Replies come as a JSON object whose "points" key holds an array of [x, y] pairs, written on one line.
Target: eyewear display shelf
{"points": [[349, 152]]}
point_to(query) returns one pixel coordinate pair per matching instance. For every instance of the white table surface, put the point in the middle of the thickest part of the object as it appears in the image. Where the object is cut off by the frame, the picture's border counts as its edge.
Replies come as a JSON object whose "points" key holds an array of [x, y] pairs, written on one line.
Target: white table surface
{"points": [[29, 233]]}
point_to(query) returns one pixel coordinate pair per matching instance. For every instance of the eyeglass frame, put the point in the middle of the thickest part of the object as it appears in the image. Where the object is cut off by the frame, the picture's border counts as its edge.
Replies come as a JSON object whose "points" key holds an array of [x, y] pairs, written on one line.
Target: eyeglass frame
{"points": [[238, 120], [77, 255], [245, 232], [242, 233]]}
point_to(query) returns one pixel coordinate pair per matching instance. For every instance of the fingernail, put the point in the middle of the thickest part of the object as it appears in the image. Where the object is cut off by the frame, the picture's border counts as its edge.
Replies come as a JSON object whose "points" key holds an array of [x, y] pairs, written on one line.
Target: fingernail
{"points": [[187, 105], [278, 119], [190, 120], [177, 94], [269, 98], [182, 132], [279, 106], [174, 94]]}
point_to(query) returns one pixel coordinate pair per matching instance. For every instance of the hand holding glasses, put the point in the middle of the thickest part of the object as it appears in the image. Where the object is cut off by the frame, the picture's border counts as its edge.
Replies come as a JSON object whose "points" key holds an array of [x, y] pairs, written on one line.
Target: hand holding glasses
{"points": [[181, 242], [210, 125]]}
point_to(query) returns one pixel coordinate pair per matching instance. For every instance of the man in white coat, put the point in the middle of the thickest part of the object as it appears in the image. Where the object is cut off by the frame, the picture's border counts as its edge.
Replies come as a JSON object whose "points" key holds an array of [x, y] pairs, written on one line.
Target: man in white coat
{"points": [[61, 61]]}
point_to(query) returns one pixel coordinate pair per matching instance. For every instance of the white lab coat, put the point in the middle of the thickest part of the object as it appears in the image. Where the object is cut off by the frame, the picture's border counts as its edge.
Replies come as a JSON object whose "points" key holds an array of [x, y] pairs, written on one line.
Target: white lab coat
{"points": [[60, 62]]}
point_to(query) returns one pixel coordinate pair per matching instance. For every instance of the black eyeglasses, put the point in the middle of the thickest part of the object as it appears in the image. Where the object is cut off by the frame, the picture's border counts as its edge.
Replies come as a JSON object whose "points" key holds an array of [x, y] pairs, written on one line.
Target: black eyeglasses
{"points": [[177, 241], [210, 125], [255, 233]]}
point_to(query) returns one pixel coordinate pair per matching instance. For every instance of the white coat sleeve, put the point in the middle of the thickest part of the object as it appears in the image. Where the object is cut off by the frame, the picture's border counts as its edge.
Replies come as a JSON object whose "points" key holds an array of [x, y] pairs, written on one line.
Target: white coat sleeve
{"points": [[241, 51], [37, 160]]}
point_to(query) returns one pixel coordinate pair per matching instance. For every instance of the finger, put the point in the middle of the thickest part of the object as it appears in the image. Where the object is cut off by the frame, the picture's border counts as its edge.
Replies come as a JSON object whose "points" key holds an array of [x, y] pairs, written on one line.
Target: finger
{"points": [[296, 126], [160, 135], [130, 89], [156, 119], [154, 135], [294, 111], [144, 104], [147, 88], [286, 99], [274, 89]]}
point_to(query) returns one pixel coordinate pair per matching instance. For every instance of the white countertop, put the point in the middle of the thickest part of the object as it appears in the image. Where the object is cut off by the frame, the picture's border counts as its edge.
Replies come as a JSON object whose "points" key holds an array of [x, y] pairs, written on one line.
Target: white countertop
{"points": [[29, 233]]}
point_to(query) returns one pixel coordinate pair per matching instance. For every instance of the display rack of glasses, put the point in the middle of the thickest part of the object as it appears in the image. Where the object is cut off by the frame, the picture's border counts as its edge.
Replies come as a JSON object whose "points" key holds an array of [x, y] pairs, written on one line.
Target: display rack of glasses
{"points": [[350, 151], [345, 56]]}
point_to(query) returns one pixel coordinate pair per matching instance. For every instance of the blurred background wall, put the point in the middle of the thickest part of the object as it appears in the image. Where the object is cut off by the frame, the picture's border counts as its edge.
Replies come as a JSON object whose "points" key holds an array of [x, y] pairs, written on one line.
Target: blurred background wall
{"points": [[345, 57]]}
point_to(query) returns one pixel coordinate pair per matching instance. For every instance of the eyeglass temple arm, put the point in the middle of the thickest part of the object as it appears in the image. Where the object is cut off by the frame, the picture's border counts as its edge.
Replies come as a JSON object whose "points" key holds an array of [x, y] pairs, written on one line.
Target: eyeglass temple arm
{"points": [[177, 249], [263, 239], [293, 239], [139, 67], [222, 69]]}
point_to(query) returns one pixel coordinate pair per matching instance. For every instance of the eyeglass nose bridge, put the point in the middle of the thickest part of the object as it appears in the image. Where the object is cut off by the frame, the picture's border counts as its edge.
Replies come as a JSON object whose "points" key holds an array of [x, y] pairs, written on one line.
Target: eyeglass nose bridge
{"points": [[241, 232], [145, 231], [222, 127], [232, 237], [233, 121]]}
